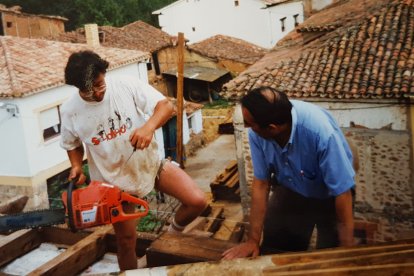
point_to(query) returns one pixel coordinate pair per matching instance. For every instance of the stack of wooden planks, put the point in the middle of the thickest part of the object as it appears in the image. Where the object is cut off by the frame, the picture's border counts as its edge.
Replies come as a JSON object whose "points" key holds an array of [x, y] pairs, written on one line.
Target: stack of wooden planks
{"points": [[394, 258], [226, 184]]}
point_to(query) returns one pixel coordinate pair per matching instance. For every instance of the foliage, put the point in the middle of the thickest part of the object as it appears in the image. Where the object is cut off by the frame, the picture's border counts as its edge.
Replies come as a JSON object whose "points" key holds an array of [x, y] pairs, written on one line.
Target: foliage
{"points": [[148, 223], [103, 12], [59, 185], [220, 103]]}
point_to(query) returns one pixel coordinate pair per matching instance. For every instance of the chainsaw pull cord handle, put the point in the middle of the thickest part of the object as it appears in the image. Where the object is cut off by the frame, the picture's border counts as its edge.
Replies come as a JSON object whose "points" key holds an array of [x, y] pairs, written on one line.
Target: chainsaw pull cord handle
{"points": [[71, 221], [121, 216]]}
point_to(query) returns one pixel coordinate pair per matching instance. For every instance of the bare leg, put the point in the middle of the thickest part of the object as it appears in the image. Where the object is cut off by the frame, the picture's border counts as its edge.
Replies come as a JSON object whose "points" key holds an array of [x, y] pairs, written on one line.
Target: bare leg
{"points": [[126, 237], [175, 182]]}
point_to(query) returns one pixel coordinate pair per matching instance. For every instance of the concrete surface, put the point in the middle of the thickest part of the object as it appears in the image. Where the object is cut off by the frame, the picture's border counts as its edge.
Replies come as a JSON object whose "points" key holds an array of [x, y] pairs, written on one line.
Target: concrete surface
{"points": [[211, 160]]}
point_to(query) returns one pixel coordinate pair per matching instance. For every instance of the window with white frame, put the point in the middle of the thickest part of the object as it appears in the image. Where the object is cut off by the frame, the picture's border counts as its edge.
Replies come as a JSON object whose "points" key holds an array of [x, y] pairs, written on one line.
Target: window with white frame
{"points": [[50, 123]]}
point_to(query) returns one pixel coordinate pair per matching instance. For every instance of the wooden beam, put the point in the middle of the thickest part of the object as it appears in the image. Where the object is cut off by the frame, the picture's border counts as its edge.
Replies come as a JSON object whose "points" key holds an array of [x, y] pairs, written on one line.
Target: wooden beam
{"points": [[365, 260], [306, 257], [171, 249], [180, 98], [18, 244], [377, 270], [59, 235], [77, 257]]}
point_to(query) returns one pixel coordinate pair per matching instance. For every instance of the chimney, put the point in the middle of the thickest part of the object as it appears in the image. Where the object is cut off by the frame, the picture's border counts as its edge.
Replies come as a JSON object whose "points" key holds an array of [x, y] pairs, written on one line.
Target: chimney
{"points": [[91, 34]]}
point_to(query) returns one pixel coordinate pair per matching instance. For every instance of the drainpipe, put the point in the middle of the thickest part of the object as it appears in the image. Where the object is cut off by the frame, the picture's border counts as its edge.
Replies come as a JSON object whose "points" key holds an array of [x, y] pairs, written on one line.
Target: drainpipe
{"points": [[241, 163]]}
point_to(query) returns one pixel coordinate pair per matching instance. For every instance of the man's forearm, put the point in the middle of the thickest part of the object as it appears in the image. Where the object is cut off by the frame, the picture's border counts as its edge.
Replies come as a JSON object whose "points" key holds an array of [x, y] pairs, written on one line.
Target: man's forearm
{"points": [[76, 156], [162, 113], [260, 194], [345, 219]]}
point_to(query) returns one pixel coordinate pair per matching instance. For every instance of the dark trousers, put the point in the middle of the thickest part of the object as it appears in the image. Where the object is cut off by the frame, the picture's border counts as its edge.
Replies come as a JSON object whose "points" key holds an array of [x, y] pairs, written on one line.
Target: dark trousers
{"points": [[291, 218]]}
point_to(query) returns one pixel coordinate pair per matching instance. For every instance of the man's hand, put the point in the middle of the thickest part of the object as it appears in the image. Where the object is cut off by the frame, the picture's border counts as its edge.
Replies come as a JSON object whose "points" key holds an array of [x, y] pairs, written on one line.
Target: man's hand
{"points": [[246, 249], [141, 137], [77, 173]]}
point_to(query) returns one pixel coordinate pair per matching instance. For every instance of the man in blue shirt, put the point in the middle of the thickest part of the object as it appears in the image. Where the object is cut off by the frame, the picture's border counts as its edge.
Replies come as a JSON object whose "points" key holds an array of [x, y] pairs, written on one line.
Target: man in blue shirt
{"points": [[300, 154]]}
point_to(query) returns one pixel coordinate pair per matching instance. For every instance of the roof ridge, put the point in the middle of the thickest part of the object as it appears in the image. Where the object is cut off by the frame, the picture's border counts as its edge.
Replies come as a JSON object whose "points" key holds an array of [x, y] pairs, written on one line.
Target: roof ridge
{"points": [[9, 65]]}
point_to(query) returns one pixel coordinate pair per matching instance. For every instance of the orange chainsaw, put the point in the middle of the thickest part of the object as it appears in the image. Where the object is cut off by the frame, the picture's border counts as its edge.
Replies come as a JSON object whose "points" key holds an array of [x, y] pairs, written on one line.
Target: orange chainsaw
{"points": [[97, 204]]}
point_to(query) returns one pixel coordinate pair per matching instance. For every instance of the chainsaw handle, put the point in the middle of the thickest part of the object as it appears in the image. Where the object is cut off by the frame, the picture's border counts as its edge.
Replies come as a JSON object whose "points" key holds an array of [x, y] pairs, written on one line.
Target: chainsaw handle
{"points": [[121, 216], [71, 221]]}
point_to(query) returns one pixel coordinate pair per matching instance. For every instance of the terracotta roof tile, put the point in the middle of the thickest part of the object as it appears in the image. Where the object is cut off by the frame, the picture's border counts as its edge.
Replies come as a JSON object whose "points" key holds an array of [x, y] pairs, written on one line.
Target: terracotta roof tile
{"points": [[17, 10], [28, 66], [135, 36], [372, 58], [226, 47]]}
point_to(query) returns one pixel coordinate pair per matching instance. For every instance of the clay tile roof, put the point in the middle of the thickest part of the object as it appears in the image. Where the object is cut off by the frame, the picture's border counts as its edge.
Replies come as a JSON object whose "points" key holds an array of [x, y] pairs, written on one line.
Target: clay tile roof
{"points": [[18, 10], [230, 48], [29, 66], [189, 107], [135, 36], [370, 59]]}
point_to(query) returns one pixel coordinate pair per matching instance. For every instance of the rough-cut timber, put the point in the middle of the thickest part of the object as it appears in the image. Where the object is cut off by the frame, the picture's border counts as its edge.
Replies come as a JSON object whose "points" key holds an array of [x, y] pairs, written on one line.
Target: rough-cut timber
{"points": [[17, 244], [226, 184], [170, 249], [78, 257], [14, 205]]}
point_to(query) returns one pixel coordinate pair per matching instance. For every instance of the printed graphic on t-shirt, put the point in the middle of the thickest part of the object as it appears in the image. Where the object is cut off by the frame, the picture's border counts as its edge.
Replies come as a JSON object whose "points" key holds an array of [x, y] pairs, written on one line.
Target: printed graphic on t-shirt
{"points": [[115, 127]]}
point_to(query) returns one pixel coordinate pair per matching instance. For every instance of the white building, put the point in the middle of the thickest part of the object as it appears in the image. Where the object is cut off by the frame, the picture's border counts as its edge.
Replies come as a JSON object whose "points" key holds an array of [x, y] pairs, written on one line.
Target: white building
{"points": [[32, 90], [261, 22]]}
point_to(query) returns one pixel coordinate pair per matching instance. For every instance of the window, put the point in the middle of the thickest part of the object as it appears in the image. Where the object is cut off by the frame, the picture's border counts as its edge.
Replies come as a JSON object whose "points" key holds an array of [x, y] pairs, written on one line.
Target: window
{"points": [[295, 17], [9, 24], [50, 123], [282, 23], [236, 3]]}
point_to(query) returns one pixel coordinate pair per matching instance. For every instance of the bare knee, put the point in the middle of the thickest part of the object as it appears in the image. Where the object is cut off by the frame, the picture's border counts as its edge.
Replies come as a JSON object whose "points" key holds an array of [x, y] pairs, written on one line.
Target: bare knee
{"points": [[198, 201]]}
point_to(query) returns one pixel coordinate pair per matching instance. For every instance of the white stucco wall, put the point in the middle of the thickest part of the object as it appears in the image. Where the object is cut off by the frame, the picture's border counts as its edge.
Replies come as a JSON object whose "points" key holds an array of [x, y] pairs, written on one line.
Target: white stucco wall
{"points": [[374, 116], [196, 121], [250, 20], [23, 151]]}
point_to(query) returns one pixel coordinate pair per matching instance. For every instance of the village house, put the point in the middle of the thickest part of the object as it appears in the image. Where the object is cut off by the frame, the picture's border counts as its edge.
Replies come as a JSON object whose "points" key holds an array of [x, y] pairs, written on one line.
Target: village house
{"points": [[356, 60], [261, 22], [210, 63], [16, 23], [32, 90]]}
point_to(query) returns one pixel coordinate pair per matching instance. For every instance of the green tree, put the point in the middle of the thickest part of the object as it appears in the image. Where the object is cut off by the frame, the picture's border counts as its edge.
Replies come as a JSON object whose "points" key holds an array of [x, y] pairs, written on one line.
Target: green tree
{"points": [[103, 12]]}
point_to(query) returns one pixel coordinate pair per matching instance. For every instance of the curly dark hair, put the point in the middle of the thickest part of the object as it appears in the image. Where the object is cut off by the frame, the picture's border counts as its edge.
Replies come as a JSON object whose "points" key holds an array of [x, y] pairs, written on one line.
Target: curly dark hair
{"points": [[83, 68], [274, 109]]}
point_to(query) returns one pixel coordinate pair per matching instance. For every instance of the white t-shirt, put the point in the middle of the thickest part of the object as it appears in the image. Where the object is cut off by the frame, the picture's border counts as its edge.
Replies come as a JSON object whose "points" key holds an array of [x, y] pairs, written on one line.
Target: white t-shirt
{"points": [[104, 128]]}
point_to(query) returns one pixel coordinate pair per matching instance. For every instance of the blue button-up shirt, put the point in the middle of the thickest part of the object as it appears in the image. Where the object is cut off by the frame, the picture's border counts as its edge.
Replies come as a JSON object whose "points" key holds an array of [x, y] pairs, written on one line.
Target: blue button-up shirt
{"points": [[316, 162]]}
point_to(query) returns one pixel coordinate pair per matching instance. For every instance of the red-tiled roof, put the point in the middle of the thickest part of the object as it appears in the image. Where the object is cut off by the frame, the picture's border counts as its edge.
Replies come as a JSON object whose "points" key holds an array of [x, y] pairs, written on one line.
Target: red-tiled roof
{"points": [[371, 58], [230, 48], [135, 36], [29, 66], [17, 10]]}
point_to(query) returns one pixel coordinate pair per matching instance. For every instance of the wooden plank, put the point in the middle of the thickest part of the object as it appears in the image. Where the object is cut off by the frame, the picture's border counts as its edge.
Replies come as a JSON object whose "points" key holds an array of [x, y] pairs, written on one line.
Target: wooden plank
{"points": [[18, 244], [238, 232], [306, 257], [77, 257], [170, 249], [233, 181], [59, 235], [14, 205], [226, 230], [196, 224], [214, 220], [144, 240], [377, 270], [366, 260]]}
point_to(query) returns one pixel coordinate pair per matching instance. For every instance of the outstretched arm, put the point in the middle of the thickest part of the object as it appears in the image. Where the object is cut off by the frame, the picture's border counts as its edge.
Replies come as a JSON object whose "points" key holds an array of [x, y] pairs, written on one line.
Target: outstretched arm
{"points": [[260, 193], [76, 158], [343, 205], [141, 137]]}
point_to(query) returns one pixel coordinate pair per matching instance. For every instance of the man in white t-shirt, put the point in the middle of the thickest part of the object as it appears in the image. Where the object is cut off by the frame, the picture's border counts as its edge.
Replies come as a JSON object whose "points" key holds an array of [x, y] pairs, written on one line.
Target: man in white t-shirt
{"points": [[110, 117]]}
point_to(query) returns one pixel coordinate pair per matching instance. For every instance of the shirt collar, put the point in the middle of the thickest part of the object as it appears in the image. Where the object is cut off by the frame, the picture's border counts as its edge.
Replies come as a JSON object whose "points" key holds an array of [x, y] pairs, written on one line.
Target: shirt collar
{"points": [[294, 123]]}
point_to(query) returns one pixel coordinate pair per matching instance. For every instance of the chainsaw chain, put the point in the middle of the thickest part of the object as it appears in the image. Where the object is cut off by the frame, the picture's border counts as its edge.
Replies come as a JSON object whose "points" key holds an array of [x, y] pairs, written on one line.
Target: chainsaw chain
{"points": [[31, 219]]}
